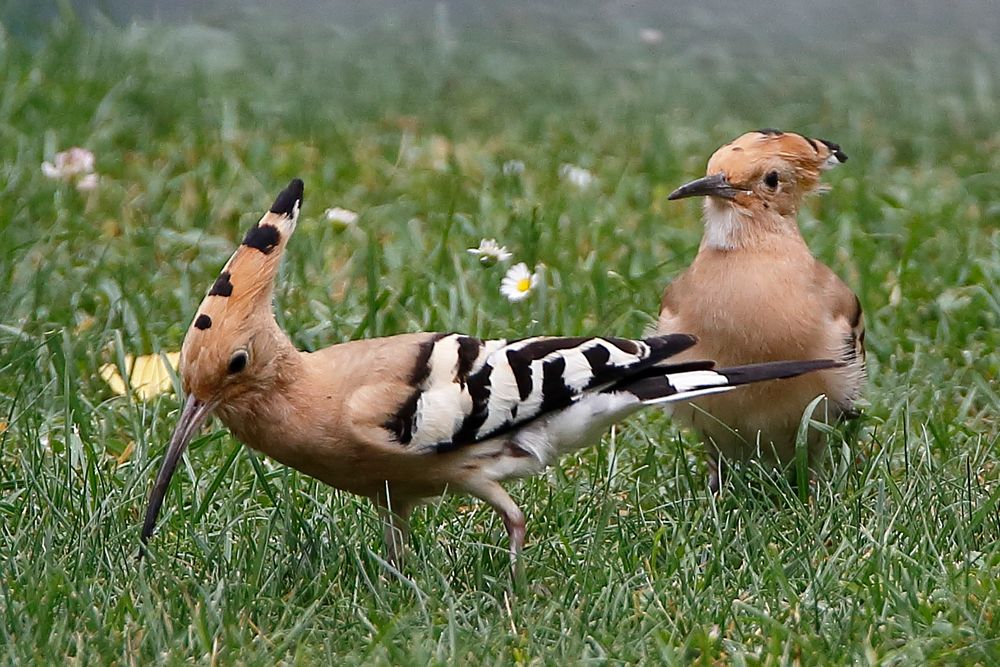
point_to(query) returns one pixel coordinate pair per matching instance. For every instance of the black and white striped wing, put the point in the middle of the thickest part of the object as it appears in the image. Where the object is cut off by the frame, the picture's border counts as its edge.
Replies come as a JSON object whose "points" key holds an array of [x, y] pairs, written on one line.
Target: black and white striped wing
{"points": [[467, 390]]}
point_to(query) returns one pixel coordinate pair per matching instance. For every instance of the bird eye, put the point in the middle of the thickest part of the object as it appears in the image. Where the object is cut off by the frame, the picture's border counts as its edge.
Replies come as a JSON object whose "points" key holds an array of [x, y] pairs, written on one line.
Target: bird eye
{"points": [[238, 362], [771, 180]]}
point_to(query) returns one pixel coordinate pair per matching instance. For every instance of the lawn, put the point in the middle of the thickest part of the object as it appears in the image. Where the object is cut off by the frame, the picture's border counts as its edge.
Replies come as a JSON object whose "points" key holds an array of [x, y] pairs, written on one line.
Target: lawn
{"points": [[442, 125]]}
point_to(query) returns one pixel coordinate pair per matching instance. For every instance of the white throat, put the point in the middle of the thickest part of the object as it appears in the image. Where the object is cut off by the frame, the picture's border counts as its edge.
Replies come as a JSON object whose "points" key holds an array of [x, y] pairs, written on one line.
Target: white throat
{"points": [[723, 225]]}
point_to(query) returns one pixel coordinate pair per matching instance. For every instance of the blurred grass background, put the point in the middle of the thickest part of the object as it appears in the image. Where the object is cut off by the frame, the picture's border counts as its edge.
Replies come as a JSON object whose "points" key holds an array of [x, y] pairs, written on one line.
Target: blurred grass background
{"points": [[407, 114]]}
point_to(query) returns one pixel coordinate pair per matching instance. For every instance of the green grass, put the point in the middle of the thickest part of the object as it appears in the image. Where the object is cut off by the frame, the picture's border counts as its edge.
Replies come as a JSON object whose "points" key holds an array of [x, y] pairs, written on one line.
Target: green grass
{"points": [[894, 560]]}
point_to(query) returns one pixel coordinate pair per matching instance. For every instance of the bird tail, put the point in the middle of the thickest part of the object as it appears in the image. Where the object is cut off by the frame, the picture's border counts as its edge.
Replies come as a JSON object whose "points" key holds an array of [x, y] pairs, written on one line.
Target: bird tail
{"points": [[687, 381]]}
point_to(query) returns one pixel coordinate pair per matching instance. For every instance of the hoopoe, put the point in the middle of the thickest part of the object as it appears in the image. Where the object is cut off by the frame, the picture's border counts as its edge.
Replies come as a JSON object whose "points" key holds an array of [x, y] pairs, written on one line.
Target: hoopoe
{"points": [[755, 293], [403, 418]]}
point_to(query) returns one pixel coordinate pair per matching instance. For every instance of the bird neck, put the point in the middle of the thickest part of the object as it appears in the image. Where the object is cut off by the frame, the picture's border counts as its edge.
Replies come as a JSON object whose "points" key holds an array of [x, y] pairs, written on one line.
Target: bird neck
{"points": [[731, 227]]}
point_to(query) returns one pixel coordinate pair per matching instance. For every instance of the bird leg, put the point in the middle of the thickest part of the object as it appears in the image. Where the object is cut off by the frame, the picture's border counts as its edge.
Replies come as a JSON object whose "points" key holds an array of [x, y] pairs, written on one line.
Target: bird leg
{"points": [[395, 513], [513, 518], [716, 470]]}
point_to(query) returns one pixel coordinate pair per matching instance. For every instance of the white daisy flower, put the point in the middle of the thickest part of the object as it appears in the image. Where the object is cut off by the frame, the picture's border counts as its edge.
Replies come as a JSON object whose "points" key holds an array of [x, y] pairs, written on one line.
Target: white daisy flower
{"points": [[576, 176], [512, 168], [518, 282], [70, 164], [341, 217], [650, 35], [490, 252]]}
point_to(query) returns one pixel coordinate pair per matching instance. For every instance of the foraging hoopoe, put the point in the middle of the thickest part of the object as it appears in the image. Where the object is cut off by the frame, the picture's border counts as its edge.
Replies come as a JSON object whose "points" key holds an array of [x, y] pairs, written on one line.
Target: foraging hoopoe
{"points": [[402, 418], [755, 293]]}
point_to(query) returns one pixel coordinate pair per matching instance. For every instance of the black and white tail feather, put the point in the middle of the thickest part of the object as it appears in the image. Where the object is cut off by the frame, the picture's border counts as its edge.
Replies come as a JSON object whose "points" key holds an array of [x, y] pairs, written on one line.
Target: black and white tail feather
{"points": [[545, 396]]}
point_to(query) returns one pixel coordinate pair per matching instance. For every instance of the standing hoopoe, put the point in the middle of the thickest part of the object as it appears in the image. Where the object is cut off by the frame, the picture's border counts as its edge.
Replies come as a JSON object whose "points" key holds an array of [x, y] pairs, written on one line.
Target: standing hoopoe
{"points": [[402, 418], [755, 294]]}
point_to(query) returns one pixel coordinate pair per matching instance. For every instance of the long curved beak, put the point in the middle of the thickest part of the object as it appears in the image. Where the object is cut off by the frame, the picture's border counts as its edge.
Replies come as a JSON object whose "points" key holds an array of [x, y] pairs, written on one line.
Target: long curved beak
{"points": [[716, 185], [194, 414]]}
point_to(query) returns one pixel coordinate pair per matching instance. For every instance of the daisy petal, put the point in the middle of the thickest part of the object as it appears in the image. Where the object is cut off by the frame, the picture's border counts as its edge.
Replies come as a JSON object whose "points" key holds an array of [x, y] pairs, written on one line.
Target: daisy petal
{"points": [[490, 252], [87, 183], [341, 217], [576, 176]]}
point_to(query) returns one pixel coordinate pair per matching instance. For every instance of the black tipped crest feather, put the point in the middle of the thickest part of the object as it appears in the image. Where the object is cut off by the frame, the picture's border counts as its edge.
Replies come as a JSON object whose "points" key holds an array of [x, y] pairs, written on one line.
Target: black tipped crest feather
{"points": [[285, 203], [263, 237], [222, 286], [835, 149]]}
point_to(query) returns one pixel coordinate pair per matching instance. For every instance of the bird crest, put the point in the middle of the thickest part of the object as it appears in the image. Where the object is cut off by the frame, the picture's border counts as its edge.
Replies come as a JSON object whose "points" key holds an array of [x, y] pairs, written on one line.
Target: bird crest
{"points": [[219, 341]]}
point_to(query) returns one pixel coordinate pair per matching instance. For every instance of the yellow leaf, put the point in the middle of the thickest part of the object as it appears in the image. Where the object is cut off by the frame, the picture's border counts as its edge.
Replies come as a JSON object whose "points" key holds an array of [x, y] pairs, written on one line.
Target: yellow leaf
{"points": [[149, 376], [126, 453]]}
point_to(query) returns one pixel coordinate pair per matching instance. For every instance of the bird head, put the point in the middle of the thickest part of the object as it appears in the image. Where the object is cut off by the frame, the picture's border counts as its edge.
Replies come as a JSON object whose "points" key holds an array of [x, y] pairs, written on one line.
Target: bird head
{"points": [[232, 350], [763, 171]]}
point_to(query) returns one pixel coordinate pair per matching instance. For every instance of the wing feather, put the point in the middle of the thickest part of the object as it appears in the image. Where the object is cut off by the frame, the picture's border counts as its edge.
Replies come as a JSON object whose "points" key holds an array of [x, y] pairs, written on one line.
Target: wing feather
{"points": [[467, 390], [848, 319]]}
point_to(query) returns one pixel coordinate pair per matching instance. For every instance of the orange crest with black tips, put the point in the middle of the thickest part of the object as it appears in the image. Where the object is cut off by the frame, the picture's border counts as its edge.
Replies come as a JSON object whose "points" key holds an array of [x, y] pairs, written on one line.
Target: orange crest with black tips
{"points": [[239, 298]]}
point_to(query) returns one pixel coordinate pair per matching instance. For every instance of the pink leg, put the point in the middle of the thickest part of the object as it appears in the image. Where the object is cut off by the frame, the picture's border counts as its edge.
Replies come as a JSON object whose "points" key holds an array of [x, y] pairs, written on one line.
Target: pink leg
{"points": [[513, 518], [395, 513]]}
